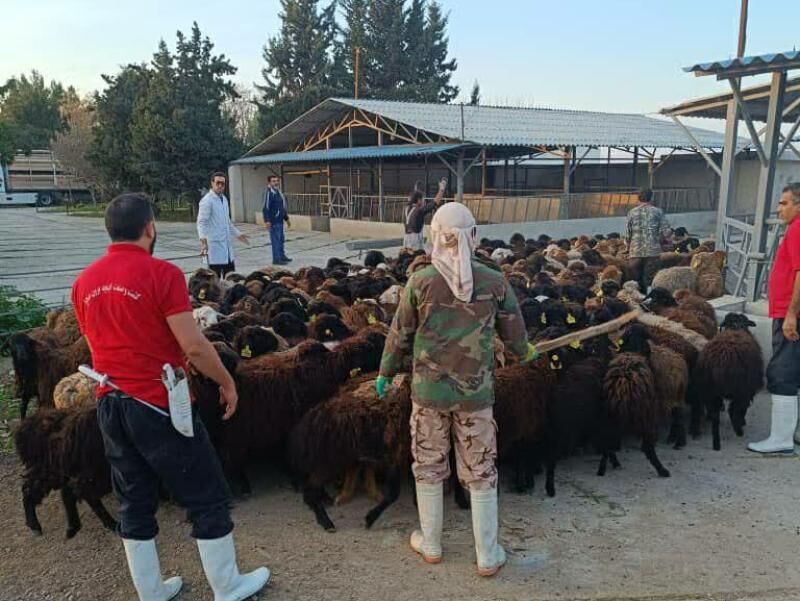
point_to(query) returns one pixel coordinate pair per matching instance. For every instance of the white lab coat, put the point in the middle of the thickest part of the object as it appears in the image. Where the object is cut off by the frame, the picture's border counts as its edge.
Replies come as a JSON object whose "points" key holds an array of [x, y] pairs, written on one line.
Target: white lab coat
{"points": [[215, 225]]}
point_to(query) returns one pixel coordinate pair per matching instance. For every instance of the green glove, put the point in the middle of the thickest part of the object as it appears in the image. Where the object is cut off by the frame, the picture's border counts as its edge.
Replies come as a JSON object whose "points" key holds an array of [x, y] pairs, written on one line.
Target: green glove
{"points": [[531, 355], [380, 386]]}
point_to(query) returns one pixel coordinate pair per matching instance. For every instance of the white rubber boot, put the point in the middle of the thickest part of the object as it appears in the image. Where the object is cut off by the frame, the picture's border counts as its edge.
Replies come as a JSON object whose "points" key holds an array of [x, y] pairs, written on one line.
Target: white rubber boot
{"points": [[218, 557], [491, 555], [427, 541], [784, 420], [146, 571], [797, 430]]}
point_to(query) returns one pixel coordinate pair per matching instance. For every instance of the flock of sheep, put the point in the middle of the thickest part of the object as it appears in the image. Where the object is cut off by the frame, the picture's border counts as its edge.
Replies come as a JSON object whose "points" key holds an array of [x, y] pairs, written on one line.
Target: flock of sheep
{"points": [[304, 348]]}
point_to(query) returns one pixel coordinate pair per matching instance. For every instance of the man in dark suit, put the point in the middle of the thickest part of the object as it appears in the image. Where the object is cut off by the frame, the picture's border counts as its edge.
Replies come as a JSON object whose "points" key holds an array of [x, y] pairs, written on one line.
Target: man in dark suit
{"points": [[276, 212]]}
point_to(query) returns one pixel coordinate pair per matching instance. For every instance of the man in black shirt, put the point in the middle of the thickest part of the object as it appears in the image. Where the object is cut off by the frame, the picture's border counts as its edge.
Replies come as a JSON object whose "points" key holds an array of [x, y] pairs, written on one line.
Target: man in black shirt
{"points": [[415, 213]]}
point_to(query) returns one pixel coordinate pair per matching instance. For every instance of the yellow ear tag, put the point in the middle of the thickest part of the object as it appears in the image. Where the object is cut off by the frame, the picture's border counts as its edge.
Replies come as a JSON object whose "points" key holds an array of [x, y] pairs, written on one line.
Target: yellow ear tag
{"points": [[246, 352], [371, 319], [328, 332], [313, 318], [555, 362], [563, 299], [202, 294], [571, 319], [544, 319], [677, 252], [355, 372], [576, 344], [600, 292]]}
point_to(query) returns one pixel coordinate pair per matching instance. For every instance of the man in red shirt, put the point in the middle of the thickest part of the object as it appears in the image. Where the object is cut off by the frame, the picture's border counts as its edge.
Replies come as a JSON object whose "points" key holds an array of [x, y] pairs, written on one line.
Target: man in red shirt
{"points": [[783, 371], [135, 313]]}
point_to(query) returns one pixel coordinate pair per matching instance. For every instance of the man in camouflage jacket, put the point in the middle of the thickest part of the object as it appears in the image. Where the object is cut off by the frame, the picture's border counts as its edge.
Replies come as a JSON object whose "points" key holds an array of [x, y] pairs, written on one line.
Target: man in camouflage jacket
{"points": [[446, 320], [646, 228]]}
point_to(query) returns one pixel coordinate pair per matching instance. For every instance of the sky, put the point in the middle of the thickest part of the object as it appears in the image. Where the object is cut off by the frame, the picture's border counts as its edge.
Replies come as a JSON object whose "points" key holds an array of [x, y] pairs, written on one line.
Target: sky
{"points": [[609, 55]]}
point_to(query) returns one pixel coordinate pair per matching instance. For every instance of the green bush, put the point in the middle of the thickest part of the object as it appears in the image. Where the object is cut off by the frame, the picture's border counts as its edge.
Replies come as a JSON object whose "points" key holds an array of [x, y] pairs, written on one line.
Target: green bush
{"points": [[18, 312]]}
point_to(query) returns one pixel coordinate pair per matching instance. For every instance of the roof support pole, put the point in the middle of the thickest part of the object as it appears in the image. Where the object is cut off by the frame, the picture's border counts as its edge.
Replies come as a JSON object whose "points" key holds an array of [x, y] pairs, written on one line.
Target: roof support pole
{"points": [[788, 139], [460, 177], [697, 146], [563, 209], [727, 182], [635, 166], [766, 180], [381, 201], [483, 172], [748, 121], [651, 173]]}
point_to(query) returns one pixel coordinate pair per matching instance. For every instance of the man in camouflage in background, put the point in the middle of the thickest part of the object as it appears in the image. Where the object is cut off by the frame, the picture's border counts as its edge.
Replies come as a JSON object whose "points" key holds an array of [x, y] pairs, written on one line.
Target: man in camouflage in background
{"points": [[447, 319], [646, 228]]}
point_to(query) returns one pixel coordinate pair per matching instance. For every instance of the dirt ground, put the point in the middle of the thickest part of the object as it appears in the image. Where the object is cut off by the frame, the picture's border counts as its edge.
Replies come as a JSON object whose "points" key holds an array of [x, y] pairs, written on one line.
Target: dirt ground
{"points": [[725, 526]]}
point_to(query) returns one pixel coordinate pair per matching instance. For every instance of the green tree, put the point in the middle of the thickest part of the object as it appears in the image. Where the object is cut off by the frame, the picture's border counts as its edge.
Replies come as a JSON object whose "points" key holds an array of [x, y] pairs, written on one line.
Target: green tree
{"points": [[179, 131], [30, 112], [475, 95], [299, 66], [353, 35], [110, 148], [386, 62], [436, 71], [415, 50]]}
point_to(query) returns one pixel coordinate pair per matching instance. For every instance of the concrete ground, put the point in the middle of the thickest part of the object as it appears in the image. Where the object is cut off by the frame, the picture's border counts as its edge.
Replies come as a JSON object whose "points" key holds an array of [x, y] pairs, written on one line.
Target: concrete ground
{"points": [[42, 253], [724, 527]]}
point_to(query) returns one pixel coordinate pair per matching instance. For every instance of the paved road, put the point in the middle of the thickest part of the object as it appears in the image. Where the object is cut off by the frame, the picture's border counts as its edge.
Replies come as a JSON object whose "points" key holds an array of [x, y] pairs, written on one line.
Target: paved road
{"points": [[41, 253]]}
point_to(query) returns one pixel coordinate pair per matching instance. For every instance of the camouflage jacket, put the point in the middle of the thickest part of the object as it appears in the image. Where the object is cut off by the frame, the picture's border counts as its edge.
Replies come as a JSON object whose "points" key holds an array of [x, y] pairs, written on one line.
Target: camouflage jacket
{"points": [[646, 226], [452, 341]]}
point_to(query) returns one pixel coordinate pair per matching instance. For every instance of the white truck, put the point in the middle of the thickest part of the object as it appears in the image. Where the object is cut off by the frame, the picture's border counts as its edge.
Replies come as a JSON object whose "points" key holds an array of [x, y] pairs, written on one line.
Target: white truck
{"points": [[37, 179]]}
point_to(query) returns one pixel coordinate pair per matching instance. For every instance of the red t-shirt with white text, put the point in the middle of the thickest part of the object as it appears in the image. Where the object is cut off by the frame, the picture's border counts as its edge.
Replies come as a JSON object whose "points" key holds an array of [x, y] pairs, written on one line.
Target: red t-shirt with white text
{"points": [[122, 301], [784, 271]]}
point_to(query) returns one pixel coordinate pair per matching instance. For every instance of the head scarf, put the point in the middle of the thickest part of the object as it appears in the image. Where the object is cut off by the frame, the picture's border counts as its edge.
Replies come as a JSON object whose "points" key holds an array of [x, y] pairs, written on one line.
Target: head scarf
{"points": [[453, 232]]}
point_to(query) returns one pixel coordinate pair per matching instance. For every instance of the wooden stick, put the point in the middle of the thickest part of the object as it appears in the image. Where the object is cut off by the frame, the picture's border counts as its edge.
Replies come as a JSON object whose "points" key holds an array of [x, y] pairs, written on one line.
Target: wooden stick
{"points": [[598, 330]]}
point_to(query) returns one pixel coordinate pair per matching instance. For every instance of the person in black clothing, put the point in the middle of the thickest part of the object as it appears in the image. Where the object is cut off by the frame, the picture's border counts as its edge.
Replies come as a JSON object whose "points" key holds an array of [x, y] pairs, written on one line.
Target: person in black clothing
{"points": [[415, 213]]}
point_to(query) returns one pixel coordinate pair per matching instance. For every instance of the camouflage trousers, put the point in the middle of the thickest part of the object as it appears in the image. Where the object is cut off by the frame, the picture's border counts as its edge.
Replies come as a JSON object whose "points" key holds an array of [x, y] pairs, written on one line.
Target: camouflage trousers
{"points": [[475, 436]]}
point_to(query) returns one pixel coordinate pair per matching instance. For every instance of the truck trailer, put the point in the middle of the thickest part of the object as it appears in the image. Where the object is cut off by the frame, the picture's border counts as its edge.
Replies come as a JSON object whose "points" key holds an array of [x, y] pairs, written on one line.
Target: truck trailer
{"points": [[37, 179]]}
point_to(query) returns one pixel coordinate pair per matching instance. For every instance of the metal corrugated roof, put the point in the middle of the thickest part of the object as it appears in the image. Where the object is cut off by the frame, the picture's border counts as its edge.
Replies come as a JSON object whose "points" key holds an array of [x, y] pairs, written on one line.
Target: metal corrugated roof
{"points": [[777, 60], [499, 126], [344, 154], [756, 97]]}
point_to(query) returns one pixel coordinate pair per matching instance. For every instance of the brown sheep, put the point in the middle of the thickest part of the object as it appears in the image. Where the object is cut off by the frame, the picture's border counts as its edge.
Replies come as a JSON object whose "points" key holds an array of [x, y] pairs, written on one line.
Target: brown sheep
{"points": [[671, 375], [729, 367], [661, 302], [632, 403], [56, 363], [708, 266], [62, 449], [275, 390], [362, 314], [694, 302], [75, 390], [354, 429]]}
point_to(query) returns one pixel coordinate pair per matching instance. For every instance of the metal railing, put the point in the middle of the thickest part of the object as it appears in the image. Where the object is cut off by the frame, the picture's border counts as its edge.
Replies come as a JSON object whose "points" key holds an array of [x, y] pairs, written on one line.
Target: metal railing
{"points": [[742, 263], [506, 209]]}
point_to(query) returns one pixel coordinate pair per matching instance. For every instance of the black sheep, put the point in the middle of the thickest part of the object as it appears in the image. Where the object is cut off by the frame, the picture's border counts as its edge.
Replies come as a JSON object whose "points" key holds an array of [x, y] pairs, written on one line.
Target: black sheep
{"points": [[730, 367], [373, 258], [328, 328], [62, 449], [289, 326], [254, 341]]}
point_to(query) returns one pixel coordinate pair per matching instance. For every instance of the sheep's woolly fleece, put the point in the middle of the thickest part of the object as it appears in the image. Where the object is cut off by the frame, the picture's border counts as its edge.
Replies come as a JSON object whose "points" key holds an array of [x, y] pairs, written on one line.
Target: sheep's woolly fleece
{"points": [[698, 341]]}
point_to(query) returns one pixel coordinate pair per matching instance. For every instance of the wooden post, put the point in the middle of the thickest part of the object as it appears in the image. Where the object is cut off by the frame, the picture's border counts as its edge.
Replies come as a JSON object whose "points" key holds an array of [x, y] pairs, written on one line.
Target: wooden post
{"points": [[563, 209], [356, 72], [460, 177], [651, 174], [635, 166]]}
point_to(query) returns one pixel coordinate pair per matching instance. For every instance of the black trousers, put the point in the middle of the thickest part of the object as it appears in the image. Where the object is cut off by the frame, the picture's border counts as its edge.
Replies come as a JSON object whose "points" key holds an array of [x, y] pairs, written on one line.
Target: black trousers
{"points": [[645, 269], [783, 371], [223, 269], [144, 449]]}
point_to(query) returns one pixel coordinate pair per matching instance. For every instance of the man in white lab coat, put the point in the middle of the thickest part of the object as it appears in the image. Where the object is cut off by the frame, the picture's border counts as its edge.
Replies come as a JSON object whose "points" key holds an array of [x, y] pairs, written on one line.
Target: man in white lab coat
{"points": [[216, 230]]}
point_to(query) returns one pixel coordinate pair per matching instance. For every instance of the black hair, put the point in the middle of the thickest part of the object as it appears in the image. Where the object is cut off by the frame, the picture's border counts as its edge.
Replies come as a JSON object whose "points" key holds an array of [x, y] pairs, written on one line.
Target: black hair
{"points": [[645, 194], [217, 174], [127, 215], [415, 196], [271, 175]]}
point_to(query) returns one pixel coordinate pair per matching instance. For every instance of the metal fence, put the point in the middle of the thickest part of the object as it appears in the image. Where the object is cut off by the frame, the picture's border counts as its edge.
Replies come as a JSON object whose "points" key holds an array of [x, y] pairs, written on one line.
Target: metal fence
{"points": [[504, 209]]}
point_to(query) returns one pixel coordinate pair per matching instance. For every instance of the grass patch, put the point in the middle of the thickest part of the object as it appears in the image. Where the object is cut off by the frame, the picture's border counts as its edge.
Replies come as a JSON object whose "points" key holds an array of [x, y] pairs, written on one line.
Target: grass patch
{"points": [[18, 312], [9, 416], [181, 214]]}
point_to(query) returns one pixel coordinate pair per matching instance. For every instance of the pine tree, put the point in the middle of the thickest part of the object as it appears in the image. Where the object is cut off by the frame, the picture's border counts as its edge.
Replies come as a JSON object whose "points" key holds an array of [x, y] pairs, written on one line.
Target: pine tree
{"points": [[110, 150], [415, 52], [475, 95], [299, 63], [386, 50], [353, 35], [437, 69]]}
